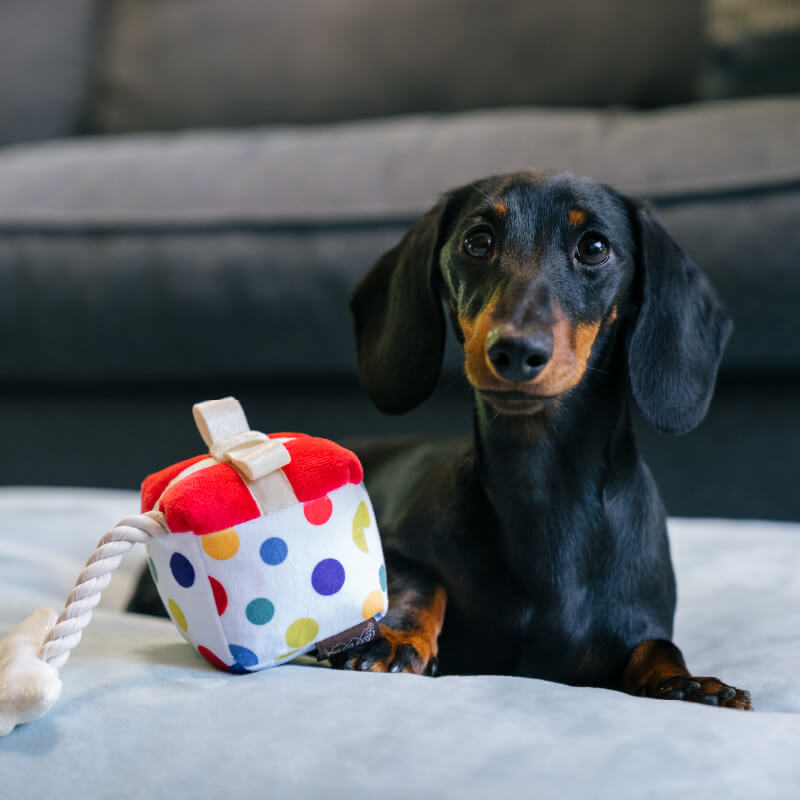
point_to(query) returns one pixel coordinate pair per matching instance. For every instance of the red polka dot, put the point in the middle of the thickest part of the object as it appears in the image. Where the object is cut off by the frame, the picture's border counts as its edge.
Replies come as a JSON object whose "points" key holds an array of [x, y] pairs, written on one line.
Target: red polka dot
{"points": [[318, 512], [220, 595], [211, 658]]}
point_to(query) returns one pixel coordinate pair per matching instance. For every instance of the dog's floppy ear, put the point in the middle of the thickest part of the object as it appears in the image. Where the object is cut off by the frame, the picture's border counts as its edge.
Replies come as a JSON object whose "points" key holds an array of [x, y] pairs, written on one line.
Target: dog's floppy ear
{"points": [[677, 339], [399, 323]]}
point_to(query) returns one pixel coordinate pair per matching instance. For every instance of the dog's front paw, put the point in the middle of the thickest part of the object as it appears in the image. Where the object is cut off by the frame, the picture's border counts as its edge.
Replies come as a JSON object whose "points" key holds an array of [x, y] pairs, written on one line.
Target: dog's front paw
{"points": [[711, 691], [396, 651]]}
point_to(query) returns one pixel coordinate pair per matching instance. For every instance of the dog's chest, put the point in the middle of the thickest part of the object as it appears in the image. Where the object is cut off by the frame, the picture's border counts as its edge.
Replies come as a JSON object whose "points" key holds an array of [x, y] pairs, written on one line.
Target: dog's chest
{"points": [[555, 611], [494, 630]]}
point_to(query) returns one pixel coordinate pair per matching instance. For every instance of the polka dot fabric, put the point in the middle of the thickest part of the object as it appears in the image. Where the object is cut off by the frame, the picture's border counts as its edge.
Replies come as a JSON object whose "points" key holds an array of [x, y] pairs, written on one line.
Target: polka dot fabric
{"points": [[263, 592]]}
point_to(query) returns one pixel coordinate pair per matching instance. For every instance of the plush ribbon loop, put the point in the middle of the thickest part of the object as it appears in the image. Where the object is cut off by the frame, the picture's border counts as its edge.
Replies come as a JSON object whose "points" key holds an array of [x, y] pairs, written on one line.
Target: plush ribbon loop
{"points": [[224, 429], [259, 459]]}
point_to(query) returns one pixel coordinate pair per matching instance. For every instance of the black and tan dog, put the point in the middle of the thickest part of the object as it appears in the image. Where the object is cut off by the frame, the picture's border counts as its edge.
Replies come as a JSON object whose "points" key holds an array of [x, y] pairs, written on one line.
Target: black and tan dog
{"points": [[539, 547]]}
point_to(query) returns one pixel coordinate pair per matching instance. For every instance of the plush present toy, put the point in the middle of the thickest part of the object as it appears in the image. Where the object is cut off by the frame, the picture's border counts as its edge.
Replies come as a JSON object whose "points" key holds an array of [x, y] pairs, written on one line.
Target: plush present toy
{"points": [[263, 549], [273, 549]]}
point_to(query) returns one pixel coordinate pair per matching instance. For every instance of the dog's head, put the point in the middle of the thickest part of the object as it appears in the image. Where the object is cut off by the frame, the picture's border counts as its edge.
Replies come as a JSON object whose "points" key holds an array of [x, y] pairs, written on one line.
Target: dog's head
{"points": [[537, 270]]}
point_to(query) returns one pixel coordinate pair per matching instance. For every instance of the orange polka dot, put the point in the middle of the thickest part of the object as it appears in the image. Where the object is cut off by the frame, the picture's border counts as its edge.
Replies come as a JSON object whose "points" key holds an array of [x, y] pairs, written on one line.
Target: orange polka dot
{"points": [[221, 545], [373, 604]]}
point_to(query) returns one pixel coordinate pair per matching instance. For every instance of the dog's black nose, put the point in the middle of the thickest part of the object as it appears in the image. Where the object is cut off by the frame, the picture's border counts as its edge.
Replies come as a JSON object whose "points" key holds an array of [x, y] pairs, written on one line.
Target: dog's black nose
{"points": [[518, 357]]}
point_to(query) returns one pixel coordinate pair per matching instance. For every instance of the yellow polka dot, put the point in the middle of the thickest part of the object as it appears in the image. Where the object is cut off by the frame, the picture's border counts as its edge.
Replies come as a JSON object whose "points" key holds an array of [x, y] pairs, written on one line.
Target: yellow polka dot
{"points": [[177, 614], [360, 521], [286, 655], [301, 632], [221, 545], [373, 604]]}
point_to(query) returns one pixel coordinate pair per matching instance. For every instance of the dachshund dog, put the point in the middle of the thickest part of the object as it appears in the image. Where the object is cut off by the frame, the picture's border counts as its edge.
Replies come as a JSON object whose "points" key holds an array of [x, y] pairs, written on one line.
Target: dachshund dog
{"points": [[538, 547]]}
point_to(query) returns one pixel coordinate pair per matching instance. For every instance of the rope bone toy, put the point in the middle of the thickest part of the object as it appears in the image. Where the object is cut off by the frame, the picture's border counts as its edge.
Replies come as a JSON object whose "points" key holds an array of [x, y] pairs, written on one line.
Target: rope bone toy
{"points": [[288, 508], [32, 654]]}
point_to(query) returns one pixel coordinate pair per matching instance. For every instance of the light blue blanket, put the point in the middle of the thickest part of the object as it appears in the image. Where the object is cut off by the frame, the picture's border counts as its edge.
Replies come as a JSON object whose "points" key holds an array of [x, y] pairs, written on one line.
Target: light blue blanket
{"points": [[142, 716]]}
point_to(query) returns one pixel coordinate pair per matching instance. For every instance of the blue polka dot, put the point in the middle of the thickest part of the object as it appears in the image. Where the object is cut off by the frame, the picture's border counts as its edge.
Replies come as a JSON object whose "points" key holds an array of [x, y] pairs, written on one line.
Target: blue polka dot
{"points": [[260, 611], [182, 570], [244, 657], [382, 577], [327, 577], [274, 551]]}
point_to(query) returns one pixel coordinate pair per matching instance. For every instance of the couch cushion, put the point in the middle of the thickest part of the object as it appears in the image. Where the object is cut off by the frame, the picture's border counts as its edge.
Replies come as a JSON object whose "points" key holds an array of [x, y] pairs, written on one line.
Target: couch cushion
{"points": [[233, 254], [46, 54], [171, 63]]}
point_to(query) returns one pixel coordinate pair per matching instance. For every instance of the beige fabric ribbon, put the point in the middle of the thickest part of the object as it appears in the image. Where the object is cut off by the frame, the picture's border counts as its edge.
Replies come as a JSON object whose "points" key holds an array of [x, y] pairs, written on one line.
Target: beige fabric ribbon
{"points": [[223, 426], [224, 429]]}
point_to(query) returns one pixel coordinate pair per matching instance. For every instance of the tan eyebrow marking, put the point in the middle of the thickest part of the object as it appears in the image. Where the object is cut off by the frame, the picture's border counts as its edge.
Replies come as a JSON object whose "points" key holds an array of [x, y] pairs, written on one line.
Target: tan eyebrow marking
{"points": [[577, 217], [500, 208]]}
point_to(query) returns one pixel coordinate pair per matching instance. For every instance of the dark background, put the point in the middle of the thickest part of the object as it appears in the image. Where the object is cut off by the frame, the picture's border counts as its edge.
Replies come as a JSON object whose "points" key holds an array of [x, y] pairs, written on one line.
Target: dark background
{"points": [[190, 190]]}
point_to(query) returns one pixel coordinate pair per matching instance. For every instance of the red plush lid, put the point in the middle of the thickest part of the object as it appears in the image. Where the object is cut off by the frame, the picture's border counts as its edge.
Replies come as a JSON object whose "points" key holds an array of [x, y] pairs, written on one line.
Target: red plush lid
{"points": [[214, 497]]}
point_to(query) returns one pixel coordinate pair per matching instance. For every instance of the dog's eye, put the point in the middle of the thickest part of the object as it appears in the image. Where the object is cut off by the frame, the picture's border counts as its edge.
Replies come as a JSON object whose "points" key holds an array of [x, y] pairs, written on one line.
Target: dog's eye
{"points": [[479, 241], [592, 250]]}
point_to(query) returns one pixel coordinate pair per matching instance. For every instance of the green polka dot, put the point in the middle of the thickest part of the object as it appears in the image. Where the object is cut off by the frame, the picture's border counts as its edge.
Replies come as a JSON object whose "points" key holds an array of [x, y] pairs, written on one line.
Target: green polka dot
{"points": [[153, 570], [260, 611], [382, 577], [301, 632]]}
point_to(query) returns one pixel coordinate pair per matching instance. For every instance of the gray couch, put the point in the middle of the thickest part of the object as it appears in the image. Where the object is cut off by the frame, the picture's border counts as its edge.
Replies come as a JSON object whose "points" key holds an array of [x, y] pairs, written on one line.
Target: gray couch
{"points": [[190, 190]]}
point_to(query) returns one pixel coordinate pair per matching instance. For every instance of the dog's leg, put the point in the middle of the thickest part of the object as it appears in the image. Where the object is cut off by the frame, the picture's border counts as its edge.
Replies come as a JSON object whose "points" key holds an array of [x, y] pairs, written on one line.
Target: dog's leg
{"points": [[656, 669], [410, 628]]}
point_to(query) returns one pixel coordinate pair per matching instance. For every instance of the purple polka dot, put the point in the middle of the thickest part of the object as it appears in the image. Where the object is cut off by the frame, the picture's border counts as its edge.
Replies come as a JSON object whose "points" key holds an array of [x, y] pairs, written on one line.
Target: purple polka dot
{"points": [[182, 570], [327, 577]]}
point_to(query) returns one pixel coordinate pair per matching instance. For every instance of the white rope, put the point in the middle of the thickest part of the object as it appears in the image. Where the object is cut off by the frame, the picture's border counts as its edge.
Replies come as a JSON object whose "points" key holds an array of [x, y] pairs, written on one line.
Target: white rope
{"points": [[95, 577]]}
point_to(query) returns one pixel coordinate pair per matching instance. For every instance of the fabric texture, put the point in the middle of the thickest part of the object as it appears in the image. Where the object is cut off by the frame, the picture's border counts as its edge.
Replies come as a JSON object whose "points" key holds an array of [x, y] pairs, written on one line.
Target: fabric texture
{"points": [[155, 484], [46, 58], [207, 501], [144, 716], [312, 61]]}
